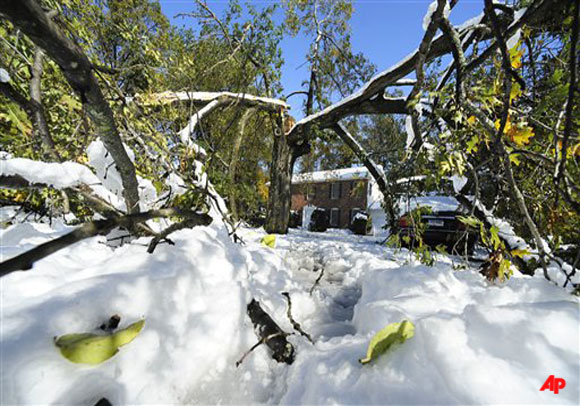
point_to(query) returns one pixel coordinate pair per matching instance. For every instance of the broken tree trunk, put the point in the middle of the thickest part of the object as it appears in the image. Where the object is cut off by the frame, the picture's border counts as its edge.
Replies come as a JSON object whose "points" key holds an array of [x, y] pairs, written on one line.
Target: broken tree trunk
{"points": [[271, 334], [279, 197]]}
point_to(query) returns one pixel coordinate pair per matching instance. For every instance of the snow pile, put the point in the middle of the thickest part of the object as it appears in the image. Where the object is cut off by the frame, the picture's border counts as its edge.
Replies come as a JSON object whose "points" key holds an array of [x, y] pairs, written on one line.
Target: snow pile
{"points": [[436, 203], [57, 175], [4, 76], [102, 161], [355, 173], [191, 295], [458, 182], [361, 216], [474, 343]]}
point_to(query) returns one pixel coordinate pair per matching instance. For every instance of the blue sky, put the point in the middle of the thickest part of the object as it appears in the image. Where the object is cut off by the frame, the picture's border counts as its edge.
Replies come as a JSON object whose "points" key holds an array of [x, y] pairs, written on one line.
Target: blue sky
{"points": [[384, 30]]}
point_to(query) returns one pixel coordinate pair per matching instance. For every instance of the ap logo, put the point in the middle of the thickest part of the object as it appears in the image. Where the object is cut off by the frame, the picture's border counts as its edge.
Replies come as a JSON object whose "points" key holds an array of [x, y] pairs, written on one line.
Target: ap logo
{"points": [[553, 384]]}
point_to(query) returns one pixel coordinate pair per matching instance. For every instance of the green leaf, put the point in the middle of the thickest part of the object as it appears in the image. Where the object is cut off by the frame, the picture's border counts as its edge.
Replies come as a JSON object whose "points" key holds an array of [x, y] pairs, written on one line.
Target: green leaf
{"points": [[269, 240], [441, 248], [519, 253], [392, 334], [469, 220], [505, 270], [93, 349], [494, 232]]}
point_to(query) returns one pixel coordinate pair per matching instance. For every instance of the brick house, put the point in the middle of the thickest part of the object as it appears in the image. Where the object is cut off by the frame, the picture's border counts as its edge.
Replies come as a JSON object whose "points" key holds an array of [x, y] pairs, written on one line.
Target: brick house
{"points": [[343, 192]]}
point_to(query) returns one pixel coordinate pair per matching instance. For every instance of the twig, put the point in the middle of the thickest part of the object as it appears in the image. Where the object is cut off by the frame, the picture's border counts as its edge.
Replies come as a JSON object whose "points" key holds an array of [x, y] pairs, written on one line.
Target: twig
{"points": [[162, 236], [295, 324], [317, 280], [260, 342]]}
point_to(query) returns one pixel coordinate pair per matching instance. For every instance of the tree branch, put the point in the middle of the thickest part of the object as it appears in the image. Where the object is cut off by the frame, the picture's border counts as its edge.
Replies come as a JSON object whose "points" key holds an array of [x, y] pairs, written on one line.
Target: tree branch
{"points": [[28, 16], [26, 260], [560, 167]]}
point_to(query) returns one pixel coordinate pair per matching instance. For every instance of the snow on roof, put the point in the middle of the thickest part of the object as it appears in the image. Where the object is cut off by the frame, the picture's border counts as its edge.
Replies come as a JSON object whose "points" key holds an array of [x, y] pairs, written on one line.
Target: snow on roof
{"points": [[336, 174]]}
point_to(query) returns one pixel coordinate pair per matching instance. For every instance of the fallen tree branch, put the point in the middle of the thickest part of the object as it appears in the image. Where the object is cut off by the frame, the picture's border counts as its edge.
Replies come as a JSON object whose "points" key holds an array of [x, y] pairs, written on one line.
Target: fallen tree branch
{"points": [[440, 46], [260, 342], [271, 334], [187, 223], [26, 260]]}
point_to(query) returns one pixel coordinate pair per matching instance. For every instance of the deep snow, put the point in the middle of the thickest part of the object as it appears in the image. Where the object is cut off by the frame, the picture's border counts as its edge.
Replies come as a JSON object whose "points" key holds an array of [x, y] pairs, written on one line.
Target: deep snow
{"points": [[474, 342]]}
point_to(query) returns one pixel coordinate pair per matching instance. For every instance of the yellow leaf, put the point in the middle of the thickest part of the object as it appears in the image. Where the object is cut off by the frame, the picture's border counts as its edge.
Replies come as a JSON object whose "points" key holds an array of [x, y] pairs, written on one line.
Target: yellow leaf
{"points": [[571, 151], [269, 240], [514, 158], [515, 92], [521, 136], [93, 349], [516, 57], [471, 120], [472, 144], [392, 334], [519, 253]]}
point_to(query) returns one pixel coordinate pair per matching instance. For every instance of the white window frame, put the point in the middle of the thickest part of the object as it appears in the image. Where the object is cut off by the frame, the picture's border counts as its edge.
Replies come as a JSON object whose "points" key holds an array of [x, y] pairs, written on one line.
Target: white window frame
{"points": [[335, 210], [334, 191]]}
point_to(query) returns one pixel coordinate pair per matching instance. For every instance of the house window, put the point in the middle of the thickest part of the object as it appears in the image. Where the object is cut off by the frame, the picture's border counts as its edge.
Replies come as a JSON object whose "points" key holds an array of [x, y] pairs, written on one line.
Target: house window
{"points": [[357, 189], [334, 217], [335, 190]]}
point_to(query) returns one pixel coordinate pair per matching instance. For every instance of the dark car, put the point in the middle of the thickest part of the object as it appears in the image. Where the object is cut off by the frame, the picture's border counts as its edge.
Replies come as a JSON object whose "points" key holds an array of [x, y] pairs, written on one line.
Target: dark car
{"points": [[439, 223]]}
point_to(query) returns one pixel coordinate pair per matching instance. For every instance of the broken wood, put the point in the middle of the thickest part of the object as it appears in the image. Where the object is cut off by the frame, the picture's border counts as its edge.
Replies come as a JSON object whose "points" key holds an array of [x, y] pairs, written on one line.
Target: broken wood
{"points": [[270, 334]]}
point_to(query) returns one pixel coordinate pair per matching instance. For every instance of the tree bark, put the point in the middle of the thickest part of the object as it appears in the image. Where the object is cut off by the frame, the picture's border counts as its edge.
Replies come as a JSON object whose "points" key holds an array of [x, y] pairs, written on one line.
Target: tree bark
{"points": [[234, 163], [271, 334], [279, 197], [28, 16], [38, 115]]}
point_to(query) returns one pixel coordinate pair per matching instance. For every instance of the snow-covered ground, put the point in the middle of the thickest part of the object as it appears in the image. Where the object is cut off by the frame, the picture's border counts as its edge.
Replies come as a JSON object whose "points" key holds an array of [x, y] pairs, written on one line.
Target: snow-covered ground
{"points": [[474, 342]]}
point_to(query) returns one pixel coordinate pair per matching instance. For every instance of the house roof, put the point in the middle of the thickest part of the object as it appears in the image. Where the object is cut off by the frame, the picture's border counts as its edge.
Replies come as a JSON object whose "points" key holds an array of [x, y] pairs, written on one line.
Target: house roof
{"points": [[335, 174]]}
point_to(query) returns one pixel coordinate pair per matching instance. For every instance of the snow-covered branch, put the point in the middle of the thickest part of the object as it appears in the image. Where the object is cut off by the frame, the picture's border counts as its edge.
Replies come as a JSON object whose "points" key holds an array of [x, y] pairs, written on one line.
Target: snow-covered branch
{"points": [[224, 97], [440, 46], [206, 102]]}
